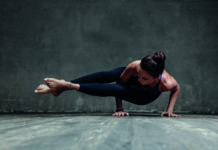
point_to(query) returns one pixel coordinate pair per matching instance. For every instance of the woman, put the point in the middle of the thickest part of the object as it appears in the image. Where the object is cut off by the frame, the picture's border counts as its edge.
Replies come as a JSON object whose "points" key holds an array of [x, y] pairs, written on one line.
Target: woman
{"points": [[141, 82]]}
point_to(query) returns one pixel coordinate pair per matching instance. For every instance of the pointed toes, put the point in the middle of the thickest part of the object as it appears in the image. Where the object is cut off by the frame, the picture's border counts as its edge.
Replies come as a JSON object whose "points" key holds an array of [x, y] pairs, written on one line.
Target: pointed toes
{"points": [[49, 79], [41, 89]]}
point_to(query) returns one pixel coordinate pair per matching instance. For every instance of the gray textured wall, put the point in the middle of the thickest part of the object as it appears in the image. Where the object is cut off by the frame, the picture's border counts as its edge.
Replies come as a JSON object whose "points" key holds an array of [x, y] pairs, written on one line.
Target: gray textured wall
{"points": [[69, 38]]}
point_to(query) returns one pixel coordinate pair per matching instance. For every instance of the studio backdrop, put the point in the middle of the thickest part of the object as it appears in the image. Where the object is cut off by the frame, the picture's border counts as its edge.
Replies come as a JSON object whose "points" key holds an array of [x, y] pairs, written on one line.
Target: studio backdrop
{"points": [[66, 39]]}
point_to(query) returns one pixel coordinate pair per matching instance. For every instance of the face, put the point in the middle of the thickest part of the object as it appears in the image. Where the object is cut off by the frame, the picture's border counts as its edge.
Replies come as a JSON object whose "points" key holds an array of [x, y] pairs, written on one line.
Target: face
{"points": [[144, 77]]}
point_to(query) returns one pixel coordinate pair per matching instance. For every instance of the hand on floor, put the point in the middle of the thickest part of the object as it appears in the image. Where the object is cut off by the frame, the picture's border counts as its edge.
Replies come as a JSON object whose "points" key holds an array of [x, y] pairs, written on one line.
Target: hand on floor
{"points": [[121, 113], [169, 114]]}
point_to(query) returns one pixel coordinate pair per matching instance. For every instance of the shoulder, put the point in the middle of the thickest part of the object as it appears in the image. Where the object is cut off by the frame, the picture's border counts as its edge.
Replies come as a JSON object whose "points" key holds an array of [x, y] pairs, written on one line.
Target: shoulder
{"points": [[168, 82], [133, 66]]}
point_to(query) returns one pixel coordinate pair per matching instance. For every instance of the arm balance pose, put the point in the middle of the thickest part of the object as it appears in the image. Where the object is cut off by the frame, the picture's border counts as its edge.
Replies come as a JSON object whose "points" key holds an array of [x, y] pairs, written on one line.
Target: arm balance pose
{"points": [[141, 82]]}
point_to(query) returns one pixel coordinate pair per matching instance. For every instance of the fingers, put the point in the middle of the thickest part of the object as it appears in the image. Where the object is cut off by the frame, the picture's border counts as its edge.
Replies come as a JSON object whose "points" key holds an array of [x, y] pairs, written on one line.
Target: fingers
{"points": [[169, 114], [125, 114], [164, 114], [122, 114], [115, 114], [174, 115]]}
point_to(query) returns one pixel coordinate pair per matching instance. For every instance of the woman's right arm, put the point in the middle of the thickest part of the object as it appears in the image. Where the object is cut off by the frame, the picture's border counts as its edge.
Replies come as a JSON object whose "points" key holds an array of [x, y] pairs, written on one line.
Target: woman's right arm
{"points": [[127, 73]]}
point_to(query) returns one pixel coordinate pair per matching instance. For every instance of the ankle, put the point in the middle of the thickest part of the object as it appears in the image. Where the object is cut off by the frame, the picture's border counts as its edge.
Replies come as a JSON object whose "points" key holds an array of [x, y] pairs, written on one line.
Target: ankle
{"points": [[72, 86], [75, 86], [68, 86]]}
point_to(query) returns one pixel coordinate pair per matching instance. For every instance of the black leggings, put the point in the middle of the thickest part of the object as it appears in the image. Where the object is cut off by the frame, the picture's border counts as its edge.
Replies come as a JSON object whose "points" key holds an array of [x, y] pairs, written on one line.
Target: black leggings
{"points": [[99, 84]]}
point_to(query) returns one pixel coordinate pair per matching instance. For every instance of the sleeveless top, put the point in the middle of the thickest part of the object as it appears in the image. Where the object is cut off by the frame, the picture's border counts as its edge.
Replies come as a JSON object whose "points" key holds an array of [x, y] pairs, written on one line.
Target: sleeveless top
{"points": [[153, 90]]}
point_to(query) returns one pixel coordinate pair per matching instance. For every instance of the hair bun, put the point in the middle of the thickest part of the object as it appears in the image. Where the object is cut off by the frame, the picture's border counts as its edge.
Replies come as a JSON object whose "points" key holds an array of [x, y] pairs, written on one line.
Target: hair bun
{"points": [[154, 64], [159, 57]]}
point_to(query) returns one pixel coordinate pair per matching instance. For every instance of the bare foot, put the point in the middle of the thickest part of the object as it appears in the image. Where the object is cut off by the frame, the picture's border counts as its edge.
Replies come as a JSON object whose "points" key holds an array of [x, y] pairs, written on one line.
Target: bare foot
{"points": [[57, 86], [44, 89]]}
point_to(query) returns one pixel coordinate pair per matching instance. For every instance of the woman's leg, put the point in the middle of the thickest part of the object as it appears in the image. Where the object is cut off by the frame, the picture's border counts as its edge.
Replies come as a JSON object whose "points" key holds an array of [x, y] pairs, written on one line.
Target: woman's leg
{"points": [[58, 86], [101, 77], [131, 94], [92, 84]]}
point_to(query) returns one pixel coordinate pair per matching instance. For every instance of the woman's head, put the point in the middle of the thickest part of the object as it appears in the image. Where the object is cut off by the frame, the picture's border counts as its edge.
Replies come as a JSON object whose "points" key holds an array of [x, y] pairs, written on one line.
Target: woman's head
{"points": [[151, 67]]}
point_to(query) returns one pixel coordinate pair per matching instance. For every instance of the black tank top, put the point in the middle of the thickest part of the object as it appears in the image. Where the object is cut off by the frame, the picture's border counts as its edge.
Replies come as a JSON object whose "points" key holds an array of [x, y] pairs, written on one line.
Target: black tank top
{"points": [[153, 90]]}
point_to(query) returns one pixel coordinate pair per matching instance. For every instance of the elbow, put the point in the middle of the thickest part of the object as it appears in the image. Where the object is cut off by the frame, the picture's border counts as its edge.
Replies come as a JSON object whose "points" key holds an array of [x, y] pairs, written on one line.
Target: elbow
{"points": [[178, 87]]}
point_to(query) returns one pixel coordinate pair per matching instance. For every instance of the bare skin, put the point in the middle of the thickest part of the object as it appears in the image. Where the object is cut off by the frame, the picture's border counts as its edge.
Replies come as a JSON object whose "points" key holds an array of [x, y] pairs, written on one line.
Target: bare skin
{"points": [[55, 87], [44, 89], [167, 84], [121, 113]]}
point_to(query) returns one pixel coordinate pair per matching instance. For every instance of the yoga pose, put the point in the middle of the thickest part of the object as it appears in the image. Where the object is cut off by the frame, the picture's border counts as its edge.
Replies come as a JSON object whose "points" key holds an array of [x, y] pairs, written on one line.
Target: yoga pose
{"points": [[141, 82]]}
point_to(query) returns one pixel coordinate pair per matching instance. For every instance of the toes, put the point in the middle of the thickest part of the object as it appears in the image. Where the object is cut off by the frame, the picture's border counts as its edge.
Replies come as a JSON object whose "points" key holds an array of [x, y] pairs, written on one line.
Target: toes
{"points": [[40, 87], [40, 91], [43, 91], [50, 79], [50, 84]]}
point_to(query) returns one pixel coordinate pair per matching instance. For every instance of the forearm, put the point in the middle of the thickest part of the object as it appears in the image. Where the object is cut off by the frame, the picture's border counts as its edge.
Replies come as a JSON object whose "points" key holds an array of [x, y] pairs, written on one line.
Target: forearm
{"points": [[172, 100], [119, 105], [123, 79]]}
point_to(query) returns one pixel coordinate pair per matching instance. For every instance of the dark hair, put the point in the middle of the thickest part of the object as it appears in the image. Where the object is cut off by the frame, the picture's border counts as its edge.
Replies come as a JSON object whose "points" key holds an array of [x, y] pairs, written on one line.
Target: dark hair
{"points": [[154, 64]]}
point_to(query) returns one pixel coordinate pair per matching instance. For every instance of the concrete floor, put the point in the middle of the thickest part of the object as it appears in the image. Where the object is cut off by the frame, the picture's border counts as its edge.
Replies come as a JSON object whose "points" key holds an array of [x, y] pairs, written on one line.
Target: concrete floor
{"points": [[104, 132]]}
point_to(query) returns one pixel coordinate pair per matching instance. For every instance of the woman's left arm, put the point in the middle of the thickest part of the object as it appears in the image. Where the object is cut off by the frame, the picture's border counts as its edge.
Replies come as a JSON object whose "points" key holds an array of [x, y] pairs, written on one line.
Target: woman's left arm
{"points": [[174, 89]]}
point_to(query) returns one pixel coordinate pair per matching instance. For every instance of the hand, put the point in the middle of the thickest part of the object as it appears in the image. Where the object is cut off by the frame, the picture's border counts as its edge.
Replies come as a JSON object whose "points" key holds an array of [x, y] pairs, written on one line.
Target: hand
{"points": [[121, 113], [169, 114]]}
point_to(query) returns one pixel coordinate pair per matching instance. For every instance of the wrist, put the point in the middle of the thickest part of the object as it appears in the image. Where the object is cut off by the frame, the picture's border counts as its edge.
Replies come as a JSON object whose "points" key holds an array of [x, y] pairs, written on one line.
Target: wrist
{"points": [[169, 111], [119, 109]]}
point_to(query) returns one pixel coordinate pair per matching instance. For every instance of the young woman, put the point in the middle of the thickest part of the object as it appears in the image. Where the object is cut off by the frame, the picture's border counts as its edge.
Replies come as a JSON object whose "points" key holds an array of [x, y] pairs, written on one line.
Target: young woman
{"points": [[141, 82]]}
